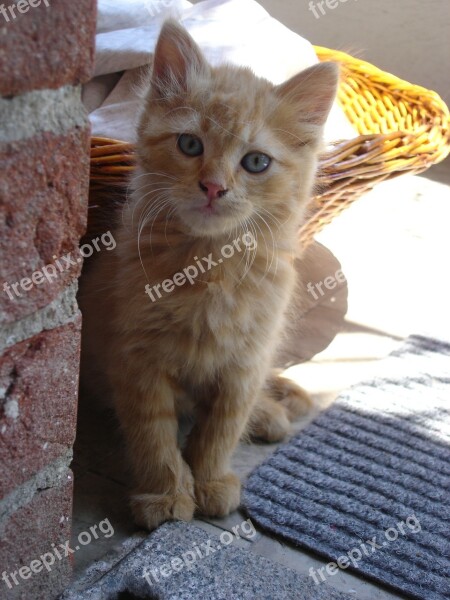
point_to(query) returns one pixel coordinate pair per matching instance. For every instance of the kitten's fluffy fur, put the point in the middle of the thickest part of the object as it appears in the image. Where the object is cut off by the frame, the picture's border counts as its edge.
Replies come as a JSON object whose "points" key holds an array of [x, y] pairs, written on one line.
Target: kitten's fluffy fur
{"points": [[205, 347]]}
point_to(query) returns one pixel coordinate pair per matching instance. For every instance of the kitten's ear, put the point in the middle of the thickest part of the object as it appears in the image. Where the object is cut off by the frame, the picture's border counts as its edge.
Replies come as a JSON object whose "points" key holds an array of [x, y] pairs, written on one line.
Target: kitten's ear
{"points": [[176, 55], [313, 90]]}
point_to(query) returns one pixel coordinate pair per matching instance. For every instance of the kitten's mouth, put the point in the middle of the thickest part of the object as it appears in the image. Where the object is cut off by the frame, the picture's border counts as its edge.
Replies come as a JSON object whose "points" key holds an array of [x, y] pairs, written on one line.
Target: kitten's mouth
{"points": [[208, 210], [207, 219]]}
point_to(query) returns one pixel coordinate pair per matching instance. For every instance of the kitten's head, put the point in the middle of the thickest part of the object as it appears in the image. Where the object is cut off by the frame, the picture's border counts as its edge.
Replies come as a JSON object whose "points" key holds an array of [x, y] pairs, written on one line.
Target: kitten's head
{"points": [[221, 147]]}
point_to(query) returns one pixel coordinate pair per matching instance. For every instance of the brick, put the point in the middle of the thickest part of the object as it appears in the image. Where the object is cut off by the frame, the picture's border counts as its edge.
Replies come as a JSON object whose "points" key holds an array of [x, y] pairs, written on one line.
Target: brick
{"points": [[47, 47], [38, 402], [28, 534], [43, 200]]}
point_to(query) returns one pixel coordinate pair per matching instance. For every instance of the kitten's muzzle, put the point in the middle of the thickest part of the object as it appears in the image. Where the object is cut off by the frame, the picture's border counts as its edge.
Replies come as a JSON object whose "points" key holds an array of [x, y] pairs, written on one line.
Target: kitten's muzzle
{"points": [[212, 190]]}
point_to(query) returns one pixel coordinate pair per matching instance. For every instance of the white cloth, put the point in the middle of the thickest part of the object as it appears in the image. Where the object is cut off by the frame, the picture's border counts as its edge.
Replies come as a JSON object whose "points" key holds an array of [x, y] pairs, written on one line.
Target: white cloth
{"points": [[239, 32]]}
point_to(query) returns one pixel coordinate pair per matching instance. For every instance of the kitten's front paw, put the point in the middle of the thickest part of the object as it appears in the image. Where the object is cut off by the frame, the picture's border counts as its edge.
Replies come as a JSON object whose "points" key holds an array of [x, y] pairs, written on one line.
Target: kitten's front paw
{"points": [[219, 497], [151, 510]]}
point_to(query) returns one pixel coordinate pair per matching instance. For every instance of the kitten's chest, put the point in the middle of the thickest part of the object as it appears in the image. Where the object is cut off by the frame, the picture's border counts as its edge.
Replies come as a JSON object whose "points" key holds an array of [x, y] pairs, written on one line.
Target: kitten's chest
{"points": [[225, 308], [235, 312]]}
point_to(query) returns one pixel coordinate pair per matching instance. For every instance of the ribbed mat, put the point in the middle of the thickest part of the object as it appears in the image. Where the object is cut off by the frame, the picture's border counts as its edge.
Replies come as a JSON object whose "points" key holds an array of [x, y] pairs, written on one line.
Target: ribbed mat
{"points": [[378, 457]]}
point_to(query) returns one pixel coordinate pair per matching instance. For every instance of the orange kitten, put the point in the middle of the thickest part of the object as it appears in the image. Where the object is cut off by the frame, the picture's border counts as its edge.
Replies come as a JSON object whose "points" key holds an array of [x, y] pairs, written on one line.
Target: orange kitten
{"points": [[185, 315]]}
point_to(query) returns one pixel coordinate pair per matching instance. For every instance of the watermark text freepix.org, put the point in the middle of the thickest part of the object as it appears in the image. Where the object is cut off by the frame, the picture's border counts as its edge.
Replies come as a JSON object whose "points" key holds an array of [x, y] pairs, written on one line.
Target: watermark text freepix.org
{"points": [[367, 548], [198, 552], [49, 273], [190, 273], [318, 10], [155, 7], [331, 283], [58, 552], [21, 6]]}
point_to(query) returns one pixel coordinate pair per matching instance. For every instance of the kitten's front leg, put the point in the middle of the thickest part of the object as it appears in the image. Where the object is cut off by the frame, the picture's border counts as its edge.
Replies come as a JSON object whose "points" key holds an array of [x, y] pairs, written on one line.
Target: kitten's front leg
{"points": [[164, 483], [220, 424]]}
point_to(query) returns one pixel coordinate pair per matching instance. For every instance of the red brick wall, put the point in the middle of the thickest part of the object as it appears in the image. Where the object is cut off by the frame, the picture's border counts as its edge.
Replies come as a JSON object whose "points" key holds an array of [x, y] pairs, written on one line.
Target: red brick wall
{"points": [[46, 53]]}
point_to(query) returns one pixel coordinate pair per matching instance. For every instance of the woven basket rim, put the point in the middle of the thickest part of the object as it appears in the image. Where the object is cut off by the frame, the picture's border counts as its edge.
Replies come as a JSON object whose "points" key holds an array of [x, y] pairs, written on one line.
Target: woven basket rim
{"points": [[402, 127]]}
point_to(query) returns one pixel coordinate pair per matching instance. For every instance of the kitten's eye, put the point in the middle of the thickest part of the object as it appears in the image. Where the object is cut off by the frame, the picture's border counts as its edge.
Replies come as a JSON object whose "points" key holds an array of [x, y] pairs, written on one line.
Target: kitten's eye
{"points": [[256, 162], [190, 145]]}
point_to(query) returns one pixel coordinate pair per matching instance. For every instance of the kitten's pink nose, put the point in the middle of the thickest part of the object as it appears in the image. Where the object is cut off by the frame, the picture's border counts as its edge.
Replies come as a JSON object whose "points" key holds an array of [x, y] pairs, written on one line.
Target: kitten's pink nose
{"points": [[212, 190]]}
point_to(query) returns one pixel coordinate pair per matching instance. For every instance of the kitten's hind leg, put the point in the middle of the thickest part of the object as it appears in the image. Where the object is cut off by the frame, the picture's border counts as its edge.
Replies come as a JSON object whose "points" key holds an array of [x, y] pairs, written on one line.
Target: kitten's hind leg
{"points": [[281, 402], [291, 396]]}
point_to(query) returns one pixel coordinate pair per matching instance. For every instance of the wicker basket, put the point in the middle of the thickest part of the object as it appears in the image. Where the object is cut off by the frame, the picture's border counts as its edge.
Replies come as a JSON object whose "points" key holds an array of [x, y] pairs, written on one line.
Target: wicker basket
{"points": [[403, 128]]}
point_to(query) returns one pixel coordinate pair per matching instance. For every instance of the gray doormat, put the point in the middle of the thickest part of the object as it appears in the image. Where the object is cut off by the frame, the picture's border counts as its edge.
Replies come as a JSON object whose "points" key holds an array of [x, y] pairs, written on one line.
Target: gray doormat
{"points": [[368, 482], [226, 573]]}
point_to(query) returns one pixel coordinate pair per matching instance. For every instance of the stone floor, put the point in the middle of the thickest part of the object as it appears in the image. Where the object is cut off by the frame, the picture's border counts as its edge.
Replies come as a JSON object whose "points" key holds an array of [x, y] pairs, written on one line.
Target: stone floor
{"points": [[393, 246]]}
